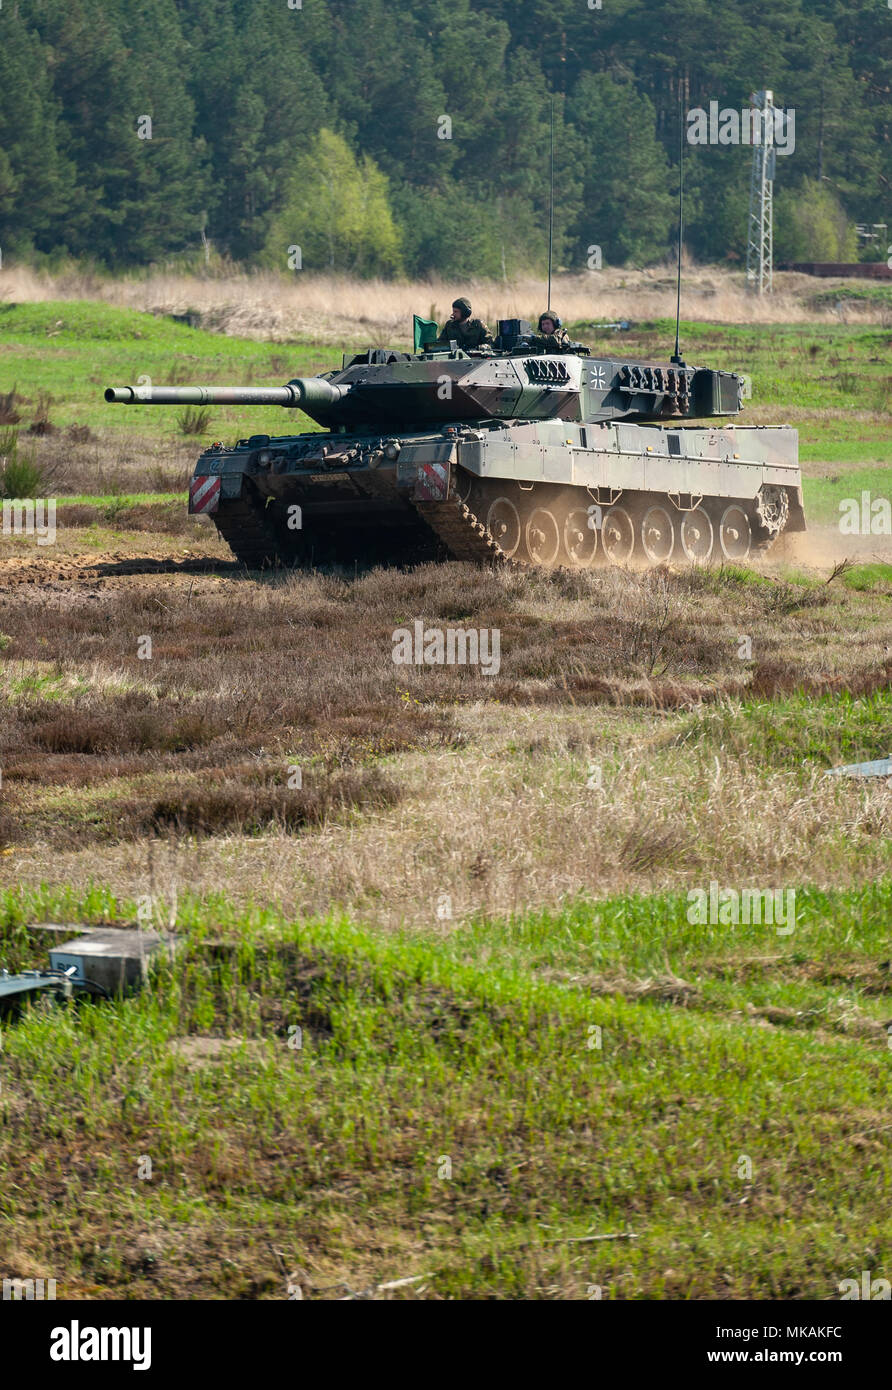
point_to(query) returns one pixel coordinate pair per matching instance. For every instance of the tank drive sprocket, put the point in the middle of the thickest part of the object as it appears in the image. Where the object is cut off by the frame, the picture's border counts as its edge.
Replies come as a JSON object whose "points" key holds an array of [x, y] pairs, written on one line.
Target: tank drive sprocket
{"points": [[771, 514]]}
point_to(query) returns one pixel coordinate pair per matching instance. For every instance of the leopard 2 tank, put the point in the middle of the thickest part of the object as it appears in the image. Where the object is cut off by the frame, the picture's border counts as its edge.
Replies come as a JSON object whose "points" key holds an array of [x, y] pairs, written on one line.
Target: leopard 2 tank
{"points": [[507, 453]]}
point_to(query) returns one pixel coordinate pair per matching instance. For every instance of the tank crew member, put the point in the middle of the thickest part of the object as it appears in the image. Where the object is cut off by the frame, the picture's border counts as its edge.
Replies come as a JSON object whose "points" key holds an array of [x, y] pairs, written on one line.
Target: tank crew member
{"points": [[463, 330], [551, 337]]}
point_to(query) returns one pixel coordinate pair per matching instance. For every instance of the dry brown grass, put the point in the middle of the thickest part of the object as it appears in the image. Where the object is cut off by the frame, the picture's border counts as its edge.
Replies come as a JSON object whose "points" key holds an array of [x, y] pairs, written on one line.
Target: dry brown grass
{"points": [[486, 793], [495, 830], [154, 517], [81, 462], [264, 305], [222, 804]]}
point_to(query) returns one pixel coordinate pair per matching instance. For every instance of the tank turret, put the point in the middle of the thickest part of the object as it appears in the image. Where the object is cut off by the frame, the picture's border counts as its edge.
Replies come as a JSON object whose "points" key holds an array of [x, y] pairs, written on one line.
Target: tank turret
{"points": [[454, 385]]}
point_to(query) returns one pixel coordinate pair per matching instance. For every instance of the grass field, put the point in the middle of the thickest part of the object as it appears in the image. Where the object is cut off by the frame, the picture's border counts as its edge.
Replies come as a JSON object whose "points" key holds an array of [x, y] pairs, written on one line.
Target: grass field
{"points": [[526, 1067], [72, 351], [467, 1108]]}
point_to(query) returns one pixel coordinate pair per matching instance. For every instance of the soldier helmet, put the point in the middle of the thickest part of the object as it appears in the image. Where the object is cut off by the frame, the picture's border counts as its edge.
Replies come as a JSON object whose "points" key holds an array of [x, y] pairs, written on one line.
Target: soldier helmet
{"points": [[464, 305], [549, 314]]}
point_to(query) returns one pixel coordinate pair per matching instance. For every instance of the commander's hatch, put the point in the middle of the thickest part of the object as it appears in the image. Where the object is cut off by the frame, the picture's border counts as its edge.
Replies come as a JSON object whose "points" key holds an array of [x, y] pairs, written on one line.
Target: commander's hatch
{"points": [[377, 357]]}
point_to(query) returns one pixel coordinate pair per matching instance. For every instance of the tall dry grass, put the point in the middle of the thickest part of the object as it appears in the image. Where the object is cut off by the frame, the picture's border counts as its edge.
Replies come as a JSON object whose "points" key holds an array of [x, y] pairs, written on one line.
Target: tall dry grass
{"points": [[264, 305], [477, 787]]}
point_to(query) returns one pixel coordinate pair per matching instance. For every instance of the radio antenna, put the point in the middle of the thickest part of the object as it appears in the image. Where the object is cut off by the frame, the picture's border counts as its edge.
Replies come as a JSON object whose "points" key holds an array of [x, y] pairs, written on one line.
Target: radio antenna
{"points": [[551, 212], [677, 358]]}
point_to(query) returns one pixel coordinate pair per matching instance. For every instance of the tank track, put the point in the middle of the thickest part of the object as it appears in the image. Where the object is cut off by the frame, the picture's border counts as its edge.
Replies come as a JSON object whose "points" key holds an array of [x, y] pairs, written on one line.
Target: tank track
{"points": [[466, 537], [258, 541], [251, 535], [255, 542], [464, 534]]}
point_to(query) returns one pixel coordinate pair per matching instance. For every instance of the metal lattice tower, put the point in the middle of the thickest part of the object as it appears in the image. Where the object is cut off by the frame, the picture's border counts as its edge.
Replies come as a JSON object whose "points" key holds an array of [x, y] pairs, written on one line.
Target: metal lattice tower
{"points": [[760, 238]]}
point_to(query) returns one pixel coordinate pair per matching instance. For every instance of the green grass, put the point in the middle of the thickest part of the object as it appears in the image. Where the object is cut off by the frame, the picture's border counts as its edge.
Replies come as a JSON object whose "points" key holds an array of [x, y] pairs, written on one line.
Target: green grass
{"points": [[824, 495], [869, 578], [75, 349], [827, 730], [113, 501], [462, 1108], [595, 1067], [51, 687], [863, 294], [852, 443]]}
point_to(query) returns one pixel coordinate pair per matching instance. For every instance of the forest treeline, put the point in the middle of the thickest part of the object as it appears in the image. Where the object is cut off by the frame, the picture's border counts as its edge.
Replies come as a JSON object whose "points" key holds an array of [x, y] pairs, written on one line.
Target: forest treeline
{"points": [[385, 138]]}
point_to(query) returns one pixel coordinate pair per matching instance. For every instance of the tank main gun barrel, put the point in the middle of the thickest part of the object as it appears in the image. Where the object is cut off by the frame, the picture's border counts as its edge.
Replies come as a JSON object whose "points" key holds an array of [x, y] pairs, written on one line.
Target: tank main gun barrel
{"points": [[312, 391]]}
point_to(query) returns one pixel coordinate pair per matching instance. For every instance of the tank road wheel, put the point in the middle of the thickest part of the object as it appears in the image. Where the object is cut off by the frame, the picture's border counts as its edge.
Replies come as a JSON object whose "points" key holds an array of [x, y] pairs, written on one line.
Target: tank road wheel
{"points": [[618, 536], [543, 537], [696, 535], [580, 538], [734, 533], [503, 524], [657, 535]]}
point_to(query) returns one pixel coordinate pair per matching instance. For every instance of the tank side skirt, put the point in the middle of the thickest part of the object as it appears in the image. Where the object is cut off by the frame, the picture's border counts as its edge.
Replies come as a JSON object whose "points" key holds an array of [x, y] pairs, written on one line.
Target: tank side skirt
{"points": [[712, 468]]}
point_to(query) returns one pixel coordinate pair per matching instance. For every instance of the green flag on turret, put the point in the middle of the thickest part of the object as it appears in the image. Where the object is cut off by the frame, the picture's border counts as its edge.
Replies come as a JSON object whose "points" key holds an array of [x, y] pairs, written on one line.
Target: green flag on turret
{"points": [[425, 332]]}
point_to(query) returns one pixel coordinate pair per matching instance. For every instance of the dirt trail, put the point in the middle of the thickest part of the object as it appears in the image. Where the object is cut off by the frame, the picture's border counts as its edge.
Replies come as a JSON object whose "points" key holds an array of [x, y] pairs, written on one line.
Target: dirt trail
{"points": [[47, 571], [818, 548]]}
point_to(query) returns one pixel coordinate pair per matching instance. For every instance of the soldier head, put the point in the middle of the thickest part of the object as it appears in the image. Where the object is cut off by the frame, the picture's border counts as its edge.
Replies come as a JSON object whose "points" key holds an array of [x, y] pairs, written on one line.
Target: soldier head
{"points": [[461, 309], [549, 322]]}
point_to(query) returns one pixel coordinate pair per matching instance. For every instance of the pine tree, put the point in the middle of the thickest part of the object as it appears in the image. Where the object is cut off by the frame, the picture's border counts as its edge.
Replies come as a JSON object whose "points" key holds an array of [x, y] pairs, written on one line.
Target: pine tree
{"points": [[628, 205], [449, 103], [36, 179], [274, 107]]}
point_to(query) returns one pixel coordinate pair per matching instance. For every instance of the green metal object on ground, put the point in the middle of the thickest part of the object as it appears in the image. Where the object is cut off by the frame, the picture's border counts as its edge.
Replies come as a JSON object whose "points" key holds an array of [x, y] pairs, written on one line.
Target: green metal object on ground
{"points": [[15, 988]]}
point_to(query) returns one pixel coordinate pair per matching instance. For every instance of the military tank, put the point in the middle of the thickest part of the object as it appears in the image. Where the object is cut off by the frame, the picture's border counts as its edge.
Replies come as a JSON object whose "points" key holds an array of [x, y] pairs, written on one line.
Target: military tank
{"points": [[507, 453]]}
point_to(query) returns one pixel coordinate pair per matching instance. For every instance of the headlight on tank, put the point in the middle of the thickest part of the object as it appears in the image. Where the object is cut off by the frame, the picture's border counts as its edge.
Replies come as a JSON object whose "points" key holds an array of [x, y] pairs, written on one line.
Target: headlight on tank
{"points": [[263, 458], [392, 449]]}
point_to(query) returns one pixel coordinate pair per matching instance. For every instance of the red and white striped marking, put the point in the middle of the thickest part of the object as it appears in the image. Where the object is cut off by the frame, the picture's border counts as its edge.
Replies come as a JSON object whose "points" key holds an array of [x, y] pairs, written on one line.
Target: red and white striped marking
{"points": [[432, 482], [204, 494]]}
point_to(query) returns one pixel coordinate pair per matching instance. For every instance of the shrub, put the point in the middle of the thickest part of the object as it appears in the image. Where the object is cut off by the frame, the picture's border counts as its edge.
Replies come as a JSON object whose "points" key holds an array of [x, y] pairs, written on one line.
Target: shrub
{"points": [[195, 419], [233, 807], [811, 225], [19, 476], [336, 208], [42, 424], [8, 413], [81, 434]]}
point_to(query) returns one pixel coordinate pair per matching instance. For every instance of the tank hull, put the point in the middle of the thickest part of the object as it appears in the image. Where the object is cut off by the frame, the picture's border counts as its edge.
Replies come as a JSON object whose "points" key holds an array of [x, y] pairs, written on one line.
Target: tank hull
{"points": [[544, 492]]}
